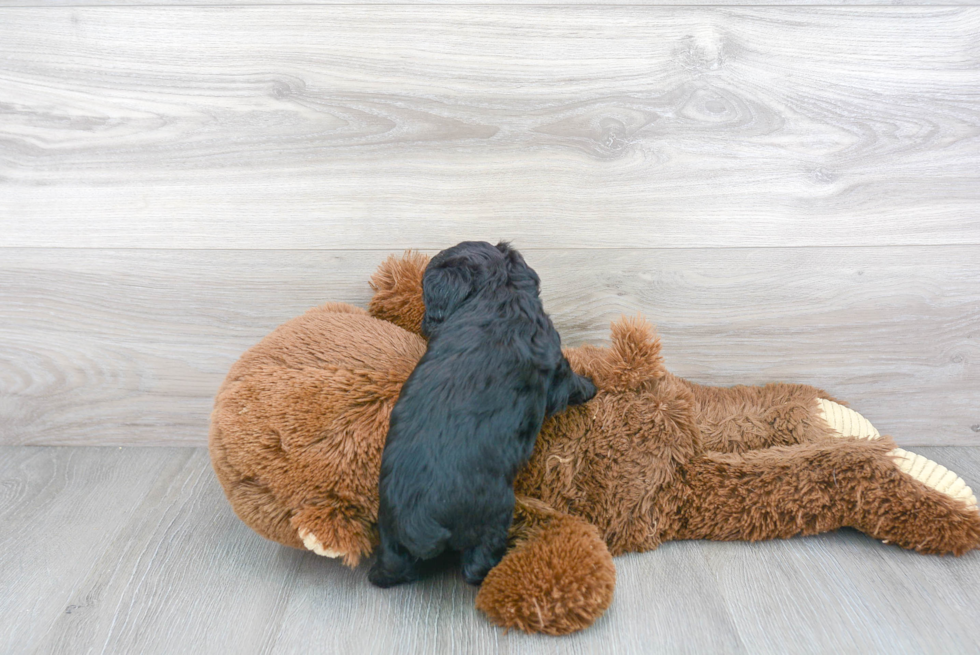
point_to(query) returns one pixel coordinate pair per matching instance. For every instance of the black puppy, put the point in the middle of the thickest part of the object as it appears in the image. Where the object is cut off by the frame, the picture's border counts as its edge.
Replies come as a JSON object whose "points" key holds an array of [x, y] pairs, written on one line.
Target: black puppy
{"points": [[469, 414]]}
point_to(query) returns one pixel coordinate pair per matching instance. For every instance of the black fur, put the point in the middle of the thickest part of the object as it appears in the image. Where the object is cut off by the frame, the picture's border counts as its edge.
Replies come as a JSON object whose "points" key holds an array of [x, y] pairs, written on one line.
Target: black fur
{"points": [[468, 416]]}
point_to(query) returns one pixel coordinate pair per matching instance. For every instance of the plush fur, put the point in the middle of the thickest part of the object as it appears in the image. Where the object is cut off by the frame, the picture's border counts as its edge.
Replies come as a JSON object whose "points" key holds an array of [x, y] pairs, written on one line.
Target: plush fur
{"points": [[299, 426], [468, 415]]}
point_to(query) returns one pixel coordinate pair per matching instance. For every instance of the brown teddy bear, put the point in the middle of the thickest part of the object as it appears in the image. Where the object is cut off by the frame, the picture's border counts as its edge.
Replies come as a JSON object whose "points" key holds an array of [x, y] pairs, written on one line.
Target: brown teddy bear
{"points": [[300, 422]]}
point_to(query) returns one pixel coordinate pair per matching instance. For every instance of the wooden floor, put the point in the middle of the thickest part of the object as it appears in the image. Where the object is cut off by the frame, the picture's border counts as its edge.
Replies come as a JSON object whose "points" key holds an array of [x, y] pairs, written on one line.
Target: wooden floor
{"points": [[133, 550]]}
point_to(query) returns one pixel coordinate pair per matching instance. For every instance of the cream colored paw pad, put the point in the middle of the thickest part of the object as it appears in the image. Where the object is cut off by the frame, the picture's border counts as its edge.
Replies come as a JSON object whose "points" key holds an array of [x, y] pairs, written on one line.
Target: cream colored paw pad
{"points": [[845, 421], [934, 475], [311, 543]]}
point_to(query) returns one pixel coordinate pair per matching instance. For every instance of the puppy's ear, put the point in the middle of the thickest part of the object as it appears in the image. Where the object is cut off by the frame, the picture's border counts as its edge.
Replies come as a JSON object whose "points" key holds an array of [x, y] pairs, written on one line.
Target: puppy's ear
{"points": [[518, 272], [444, 288], [568, 388], [583, 390]]}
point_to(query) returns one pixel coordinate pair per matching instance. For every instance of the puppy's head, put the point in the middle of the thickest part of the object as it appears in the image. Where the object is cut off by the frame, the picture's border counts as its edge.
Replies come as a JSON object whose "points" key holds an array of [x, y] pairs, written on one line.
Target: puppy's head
{"points": [[457, 273]]}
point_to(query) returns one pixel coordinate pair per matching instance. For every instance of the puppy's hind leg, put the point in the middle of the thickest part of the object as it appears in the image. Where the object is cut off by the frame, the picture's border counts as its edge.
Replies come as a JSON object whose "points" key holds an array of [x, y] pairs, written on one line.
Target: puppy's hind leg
{"points": [[478, 560], [394, 565]]}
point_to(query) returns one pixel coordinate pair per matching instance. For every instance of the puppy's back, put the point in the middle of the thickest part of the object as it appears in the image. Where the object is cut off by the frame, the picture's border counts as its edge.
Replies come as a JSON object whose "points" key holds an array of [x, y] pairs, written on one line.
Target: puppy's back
{"points": [[456, 440]]}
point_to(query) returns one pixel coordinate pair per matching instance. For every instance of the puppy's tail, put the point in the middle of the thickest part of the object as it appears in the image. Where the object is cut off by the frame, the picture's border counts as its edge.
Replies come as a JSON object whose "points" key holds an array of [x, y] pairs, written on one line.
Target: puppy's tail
{"points": [[424, 537]]}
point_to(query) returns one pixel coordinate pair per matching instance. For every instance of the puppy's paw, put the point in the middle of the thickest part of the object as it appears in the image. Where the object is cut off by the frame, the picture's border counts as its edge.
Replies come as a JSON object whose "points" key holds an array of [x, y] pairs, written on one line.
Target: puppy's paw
{"points": [[480, 560], [475, 572], [475, 579], [386, 574]]}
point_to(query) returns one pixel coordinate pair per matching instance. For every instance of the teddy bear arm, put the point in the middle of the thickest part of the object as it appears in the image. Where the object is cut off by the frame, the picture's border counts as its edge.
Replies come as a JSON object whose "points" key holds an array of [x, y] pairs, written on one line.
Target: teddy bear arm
{"points": [[337, 528], [557, 578], [885, 492]]}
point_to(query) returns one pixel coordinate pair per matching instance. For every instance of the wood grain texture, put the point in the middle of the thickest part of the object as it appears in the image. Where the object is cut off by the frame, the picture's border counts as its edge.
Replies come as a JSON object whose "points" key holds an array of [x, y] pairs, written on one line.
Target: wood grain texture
{"points": [[60, 512], [118, 347], [180, 573], [388, 127], [186, 576]]}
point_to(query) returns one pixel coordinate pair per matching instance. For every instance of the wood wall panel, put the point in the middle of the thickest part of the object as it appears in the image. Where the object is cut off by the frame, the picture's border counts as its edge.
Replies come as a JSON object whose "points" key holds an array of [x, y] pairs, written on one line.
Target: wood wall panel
{"points": [[129, 346]]}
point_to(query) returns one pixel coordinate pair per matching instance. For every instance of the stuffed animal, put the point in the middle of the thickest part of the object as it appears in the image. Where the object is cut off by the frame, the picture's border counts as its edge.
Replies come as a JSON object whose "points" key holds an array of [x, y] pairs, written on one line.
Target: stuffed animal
{"points": [[300, 422]]}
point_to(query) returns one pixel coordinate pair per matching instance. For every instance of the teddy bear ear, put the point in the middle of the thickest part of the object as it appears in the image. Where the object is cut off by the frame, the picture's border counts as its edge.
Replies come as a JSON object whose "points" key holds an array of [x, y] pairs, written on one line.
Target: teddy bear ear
{"points": [[397, 286], [635, 359]]}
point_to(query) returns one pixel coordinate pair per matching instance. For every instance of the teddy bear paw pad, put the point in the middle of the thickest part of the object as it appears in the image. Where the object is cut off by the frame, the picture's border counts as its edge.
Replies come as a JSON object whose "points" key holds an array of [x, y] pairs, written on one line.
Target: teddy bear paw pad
{"points": [[934, 475], [845, 421], [312, 543]]}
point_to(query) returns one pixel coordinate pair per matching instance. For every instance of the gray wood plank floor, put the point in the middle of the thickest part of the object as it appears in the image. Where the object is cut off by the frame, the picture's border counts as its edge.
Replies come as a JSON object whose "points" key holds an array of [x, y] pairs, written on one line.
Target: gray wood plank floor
{"points": [[114, 347], [135, 550], [418, 126]]}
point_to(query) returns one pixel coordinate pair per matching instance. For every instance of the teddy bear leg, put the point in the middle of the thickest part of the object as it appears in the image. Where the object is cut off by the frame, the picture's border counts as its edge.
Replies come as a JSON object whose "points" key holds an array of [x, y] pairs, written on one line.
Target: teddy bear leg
{"points": [[813, 488], [920, 505], [739, 419], [743, 418], [846, 423], [558, 578]]}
